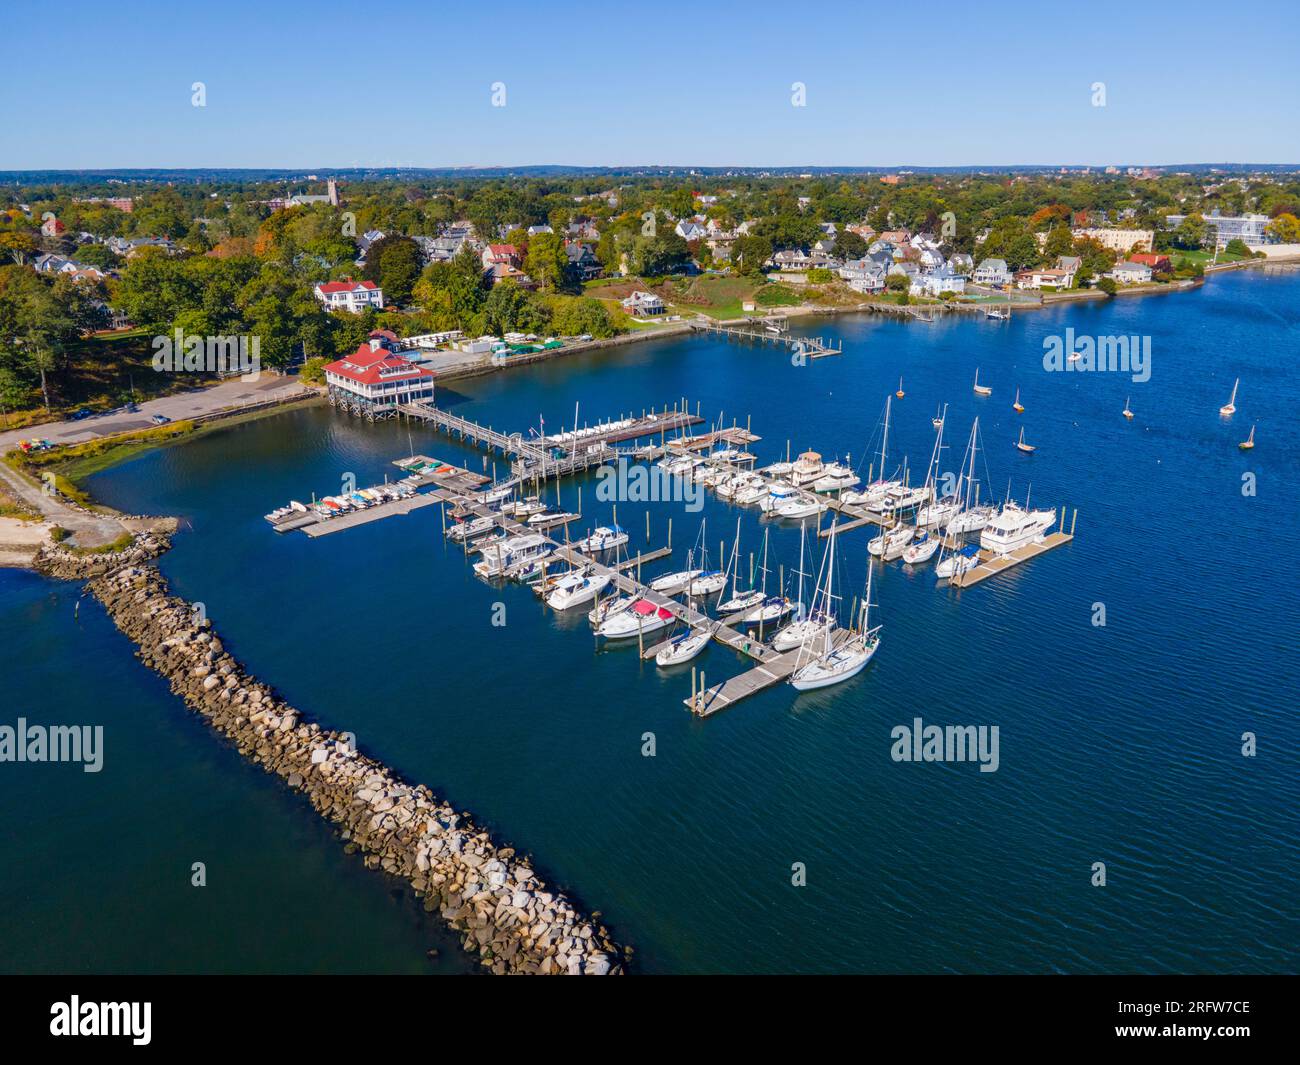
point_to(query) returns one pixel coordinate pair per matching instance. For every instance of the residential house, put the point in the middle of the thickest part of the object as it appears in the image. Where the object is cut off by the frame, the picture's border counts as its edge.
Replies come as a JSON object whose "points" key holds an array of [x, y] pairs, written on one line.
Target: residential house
{"points": [[535, 230], [495, 255], [1129, 273], [864, 275], [1072, 263], [937, 282], [992, 272], [583, 263], [791, 259], [349, 295], [368, 238], [960, 263], [1044, 277], [1159, 264], [689, 230], [644, 305]]}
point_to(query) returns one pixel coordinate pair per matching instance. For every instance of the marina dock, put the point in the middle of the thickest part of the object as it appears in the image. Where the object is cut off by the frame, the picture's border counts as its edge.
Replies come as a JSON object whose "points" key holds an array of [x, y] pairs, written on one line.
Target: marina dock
{"points": [[772, 670], [990, 565], [466, 493], [773, 329]]}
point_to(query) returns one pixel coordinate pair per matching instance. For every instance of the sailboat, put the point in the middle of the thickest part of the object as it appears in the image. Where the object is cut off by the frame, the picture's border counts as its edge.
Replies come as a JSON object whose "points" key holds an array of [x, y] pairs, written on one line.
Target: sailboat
{"points": [[981, 390], [1249, 442], [1230, 408], [806, 623], [1126, 412], [771, 607], [1028, 449], [900, 392], [738, 601], [686, 645], [1017, 406], [937, 420], [873, 493], [832, 658], [972, 516], [921, 549]]}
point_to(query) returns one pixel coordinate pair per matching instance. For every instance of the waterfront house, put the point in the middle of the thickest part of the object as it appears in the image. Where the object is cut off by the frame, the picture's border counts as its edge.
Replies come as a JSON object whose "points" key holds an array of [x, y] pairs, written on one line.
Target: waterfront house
{"points": [[644, 305], [349, 295], [960, 263], [863, 275], [1072, 263], [1044, 277], [1159, 264], [1130, 273], [376, 379], [992, 272], [937, 282]]}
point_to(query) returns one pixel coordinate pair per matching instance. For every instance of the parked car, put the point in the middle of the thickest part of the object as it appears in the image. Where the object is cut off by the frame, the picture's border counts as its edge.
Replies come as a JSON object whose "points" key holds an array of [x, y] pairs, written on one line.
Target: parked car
{"points": [[77, 415], [160, 419]]}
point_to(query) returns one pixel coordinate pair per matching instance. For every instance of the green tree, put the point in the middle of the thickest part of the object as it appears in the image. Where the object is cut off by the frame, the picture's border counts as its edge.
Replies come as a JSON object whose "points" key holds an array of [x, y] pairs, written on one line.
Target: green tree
{"points": [[546, 262]]}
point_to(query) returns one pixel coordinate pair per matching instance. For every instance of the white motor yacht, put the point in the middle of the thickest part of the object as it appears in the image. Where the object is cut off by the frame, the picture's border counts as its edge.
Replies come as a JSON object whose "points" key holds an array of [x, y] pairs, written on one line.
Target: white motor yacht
{"points": [[576, 588], [602, 538], [1015, 527]]}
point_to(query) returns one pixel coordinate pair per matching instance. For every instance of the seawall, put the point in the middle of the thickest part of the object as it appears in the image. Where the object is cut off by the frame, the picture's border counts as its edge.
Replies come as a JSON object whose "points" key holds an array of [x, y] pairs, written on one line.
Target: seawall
{"points": [[487, 893]]}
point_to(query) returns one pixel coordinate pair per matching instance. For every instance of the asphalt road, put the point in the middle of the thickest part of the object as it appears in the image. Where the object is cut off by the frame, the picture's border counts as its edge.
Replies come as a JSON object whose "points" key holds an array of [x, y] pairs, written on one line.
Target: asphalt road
{"points": [[226, 396]]}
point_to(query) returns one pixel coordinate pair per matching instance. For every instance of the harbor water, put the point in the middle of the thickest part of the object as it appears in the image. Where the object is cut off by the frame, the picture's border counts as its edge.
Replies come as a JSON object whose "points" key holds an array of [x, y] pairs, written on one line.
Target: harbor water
{"points": [[1120, 743]]}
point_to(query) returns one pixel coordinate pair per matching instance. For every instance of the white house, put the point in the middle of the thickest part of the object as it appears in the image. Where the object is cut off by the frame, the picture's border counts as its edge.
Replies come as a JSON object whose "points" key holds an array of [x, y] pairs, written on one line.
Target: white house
{"points": [[643, 305], [937, 282], [1127, 273], [690, 230], [1044, 277], [992, 272], [349, 295]]}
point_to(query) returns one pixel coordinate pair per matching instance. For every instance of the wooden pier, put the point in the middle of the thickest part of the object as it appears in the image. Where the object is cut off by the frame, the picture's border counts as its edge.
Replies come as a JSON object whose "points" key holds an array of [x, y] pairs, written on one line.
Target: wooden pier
{"points": [[772, 671], [364, 517], [536, 459], [771, 331]]}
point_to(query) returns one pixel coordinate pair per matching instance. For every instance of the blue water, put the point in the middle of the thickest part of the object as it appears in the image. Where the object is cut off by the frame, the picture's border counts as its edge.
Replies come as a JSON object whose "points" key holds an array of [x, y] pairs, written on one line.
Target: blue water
{"points": [[1119, 744]]}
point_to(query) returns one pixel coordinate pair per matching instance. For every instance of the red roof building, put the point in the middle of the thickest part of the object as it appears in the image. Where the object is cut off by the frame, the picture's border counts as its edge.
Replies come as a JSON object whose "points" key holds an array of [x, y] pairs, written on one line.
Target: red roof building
{"points": [[1158, 263], [375, 380], [349, 295]]}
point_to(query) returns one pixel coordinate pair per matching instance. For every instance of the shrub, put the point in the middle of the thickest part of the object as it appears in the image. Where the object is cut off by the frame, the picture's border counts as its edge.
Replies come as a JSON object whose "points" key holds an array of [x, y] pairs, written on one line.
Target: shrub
{"points": [[58, 534]]}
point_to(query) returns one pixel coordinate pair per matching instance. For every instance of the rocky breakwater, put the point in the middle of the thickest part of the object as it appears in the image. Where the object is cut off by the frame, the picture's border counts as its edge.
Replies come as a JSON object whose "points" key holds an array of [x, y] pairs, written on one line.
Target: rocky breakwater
{"points": [[63, 563], [487, 893]]}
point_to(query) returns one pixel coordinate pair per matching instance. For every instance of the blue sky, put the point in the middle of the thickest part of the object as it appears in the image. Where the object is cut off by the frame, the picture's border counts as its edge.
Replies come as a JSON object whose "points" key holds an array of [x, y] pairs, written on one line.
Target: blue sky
{"points": [[401, 83]]}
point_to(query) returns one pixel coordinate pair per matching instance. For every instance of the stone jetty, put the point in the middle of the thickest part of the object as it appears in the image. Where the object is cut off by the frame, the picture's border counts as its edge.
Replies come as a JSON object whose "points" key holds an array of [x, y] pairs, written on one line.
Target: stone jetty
{"points": [[489, 895]]}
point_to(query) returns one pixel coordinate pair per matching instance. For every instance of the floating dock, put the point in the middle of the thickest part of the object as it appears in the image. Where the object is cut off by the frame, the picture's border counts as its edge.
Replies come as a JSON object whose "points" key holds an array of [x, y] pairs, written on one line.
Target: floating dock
{"points": [[771, 671], [990, 564], [771, 330]]}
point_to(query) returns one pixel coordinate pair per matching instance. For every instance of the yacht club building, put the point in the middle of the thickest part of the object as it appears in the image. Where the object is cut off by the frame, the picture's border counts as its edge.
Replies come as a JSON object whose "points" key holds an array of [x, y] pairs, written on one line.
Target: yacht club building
{"points": [[376, 379]]}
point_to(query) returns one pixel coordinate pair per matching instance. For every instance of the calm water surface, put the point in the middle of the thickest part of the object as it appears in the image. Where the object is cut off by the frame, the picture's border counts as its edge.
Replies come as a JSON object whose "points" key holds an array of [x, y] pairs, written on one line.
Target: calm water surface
{"points": [[1119, 744]]}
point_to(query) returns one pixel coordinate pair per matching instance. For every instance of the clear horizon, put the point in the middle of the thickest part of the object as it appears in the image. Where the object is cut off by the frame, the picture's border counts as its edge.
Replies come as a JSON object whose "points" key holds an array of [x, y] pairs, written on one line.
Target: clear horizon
{"points": [[408, 86]]}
